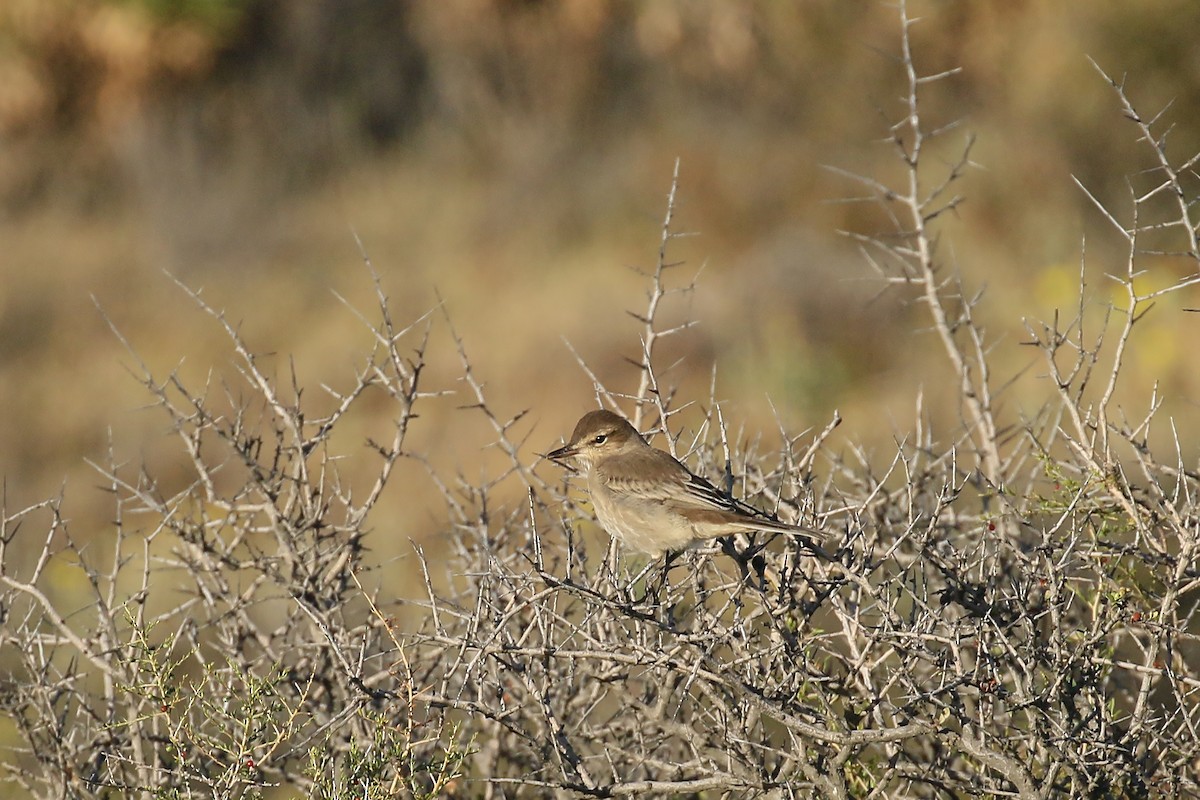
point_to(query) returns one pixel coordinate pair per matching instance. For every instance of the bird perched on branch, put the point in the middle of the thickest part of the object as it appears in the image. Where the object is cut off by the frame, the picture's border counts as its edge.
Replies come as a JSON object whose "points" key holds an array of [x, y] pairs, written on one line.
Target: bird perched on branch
{"points": [[650, 501]]}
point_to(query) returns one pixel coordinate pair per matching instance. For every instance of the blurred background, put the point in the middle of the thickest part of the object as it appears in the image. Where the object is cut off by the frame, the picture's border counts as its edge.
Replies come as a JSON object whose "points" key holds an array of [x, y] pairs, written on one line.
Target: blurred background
{"points": [[513, 158]]}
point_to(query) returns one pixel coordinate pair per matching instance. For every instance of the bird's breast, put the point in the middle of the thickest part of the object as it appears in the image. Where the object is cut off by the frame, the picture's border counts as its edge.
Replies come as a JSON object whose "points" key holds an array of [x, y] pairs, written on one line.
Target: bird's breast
{"points": [[641, 523]]}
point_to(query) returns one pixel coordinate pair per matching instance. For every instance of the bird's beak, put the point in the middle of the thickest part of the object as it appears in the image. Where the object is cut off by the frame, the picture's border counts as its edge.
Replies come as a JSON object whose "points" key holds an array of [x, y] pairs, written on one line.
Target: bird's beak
{"points": [[568, 451]]}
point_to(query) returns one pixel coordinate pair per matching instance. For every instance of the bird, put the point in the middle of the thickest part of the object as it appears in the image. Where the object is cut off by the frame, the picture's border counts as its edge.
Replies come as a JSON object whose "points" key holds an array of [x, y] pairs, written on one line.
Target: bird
{"points": [[648, 500]]}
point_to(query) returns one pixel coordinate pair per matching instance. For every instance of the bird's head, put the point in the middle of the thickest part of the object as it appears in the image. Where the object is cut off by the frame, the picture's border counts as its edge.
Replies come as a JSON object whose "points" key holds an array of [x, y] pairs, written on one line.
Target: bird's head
{"points": [[597, 435]]}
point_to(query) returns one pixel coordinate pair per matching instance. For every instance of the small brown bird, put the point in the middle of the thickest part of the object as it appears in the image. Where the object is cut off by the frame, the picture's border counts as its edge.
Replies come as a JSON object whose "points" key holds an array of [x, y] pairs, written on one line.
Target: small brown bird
{"points": [[647, 499]]}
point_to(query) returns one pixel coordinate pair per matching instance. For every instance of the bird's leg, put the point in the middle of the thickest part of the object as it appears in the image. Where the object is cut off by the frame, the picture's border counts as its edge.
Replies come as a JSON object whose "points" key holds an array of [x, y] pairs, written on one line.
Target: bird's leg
{"points": [[668, 562], [642, 576]]}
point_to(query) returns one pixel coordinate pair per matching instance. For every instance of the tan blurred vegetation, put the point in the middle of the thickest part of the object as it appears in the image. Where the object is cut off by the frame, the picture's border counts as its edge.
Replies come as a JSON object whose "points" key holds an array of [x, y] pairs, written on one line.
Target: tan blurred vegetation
{"points": [[512, 158]]}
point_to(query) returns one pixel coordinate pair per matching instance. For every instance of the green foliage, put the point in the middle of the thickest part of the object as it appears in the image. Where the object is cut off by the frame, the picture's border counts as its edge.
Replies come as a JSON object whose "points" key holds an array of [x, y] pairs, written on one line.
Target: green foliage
{"points": [[388, 764], [216, 16]]}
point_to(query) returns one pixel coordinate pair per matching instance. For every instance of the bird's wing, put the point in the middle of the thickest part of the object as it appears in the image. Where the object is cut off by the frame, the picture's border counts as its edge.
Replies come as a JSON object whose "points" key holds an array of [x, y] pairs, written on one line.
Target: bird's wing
{"points": [[655, 476], [650, 475]]}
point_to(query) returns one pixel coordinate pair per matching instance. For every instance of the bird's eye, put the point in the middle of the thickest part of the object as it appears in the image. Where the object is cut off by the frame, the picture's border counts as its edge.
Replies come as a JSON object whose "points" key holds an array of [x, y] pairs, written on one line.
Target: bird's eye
{"points": [[600, 438]]}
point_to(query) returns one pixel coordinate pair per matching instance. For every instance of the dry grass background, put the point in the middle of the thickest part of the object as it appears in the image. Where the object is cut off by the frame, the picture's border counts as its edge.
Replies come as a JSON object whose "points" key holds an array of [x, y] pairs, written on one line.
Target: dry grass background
{"points": [[511, 159]]}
